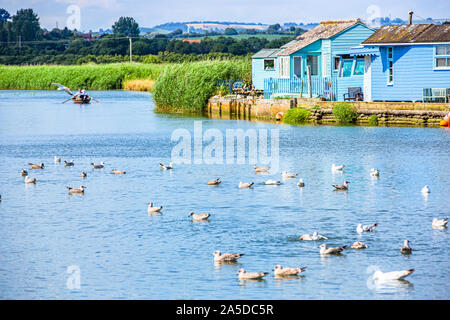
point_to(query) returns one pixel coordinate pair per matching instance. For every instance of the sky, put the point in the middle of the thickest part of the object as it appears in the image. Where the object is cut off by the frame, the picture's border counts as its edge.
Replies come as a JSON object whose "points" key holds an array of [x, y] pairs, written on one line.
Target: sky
{"points": [[95, 14]]}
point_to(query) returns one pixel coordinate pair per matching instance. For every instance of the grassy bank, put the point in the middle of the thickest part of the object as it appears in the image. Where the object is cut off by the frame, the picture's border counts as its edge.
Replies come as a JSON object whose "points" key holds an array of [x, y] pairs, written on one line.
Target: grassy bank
{"points": [[187, 87], [91, 77]]}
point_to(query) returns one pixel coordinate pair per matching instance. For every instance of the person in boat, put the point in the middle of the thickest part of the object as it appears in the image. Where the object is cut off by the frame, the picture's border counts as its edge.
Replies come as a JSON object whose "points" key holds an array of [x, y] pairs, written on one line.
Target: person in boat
{"points": [[83, 94], [76, 95]]}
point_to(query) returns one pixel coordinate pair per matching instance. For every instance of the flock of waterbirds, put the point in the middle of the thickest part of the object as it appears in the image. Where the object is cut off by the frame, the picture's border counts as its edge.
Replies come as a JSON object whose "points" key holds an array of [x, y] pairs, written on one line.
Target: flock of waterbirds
{"points": [[279, 271]]}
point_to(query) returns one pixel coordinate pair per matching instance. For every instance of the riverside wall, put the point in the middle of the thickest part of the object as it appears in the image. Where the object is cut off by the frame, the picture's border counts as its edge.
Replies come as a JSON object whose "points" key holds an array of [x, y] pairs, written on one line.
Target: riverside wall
{"points": [[388, 113]]}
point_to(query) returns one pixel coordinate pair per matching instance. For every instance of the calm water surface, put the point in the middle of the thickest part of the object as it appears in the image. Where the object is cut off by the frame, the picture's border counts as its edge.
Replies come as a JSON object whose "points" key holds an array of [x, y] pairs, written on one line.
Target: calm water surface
{"points": [[122, 253]]}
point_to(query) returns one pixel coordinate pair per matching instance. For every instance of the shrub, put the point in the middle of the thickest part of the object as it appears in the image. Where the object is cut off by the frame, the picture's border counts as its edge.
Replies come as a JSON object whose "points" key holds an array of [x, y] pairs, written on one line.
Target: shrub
{"points": [[373, 120], [344, 112], [296, 115]]}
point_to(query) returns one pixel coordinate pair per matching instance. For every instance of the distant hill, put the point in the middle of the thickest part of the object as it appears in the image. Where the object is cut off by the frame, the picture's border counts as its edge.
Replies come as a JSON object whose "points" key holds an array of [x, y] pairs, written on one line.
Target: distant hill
{"points": [[220, 26]]}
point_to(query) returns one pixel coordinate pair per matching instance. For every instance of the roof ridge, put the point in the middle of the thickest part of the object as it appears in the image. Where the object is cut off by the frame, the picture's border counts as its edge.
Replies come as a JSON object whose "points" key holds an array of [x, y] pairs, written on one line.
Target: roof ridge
{"points": [[355, 20]]}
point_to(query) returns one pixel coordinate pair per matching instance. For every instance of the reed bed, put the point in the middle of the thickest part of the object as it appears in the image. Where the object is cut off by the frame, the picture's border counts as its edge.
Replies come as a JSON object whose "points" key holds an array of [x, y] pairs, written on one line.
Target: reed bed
{"points": [[91, 77], [139, 85], [186, 87]]}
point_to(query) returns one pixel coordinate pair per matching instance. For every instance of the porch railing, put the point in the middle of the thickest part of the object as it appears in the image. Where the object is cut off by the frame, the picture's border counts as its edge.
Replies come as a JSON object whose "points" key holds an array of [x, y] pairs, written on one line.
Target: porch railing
{"points": [[320, 87]]}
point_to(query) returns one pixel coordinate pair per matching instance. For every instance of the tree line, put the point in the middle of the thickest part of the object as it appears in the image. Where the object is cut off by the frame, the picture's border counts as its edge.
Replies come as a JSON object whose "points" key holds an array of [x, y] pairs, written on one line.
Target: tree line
{"points": [[23, 41]]}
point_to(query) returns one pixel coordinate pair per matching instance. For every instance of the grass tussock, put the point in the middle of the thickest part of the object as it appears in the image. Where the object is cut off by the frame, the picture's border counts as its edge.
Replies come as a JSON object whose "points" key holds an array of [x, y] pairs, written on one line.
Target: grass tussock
{"points": [[139, 85], [187, 87], [345, 112], [296, 116], [90, 77]]}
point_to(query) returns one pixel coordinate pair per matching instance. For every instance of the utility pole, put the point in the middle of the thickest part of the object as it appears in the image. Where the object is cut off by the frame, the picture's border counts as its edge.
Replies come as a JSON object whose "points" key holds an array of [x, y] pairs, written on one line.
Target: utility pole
{"points": [[131, 50]]}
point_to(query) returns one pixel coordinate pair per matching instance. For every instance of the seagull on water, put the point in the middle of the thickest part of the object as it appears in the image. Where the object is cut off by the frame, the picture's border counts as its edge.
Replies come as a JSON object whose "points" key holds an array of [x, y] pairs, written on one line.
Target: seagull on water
{"points": [[406, 249], [393, 275], [271, 182], [245, 184], [331, 250], [226, 257], [359, 245], [374, 172], [36, 166], [300, 183], [425, 190], [98, 166], [341, 187], [83, 174], [70, 163], [337, 168], [244, 275], [287, 175], [115, 171], [30, 180], [151, 209], [315, 236], [23, 173], [279, 271], [79, 190], [199, 216], [56, 159], [260, 169], [169, 167], [360, 228], [214, 182], [439, 223]]}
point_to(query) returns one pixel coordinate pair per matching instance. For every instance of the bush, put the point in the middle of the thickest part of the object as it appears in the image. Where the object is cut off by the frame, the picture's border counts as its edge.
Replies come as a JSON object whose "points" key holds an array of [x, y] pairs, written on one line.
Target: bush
{"points": [[187, 87], [344, 112], [296, 115], [373, 120]]}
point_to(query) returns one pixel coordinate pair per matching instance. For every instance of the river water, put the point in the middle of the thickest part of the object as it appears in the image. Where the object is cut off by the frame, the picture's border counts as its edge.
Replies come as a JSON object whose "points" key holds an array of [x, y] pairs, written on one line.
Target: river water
{"points": [[104, 245]]}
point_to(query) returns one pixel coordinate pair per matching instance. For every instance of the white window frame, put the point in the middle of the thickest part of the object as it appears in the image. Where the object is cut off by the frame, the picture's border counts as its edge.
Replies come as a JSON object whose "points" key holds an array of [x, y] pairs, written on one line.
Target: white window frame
{"points": [[269, 59], [441, 56], [284, 67], [390, 72]]}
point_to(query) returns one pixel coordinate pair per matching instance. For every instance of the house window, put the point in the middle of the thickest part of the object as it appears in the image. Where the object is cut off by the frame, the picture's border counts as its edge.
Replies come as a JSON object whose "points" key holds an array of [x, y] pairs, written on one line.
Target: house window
{"points": [[390, 65], [347, 65], [269, 64], [336, 61], [284, 67], [359, 67], [442, 57], [313, 63]]}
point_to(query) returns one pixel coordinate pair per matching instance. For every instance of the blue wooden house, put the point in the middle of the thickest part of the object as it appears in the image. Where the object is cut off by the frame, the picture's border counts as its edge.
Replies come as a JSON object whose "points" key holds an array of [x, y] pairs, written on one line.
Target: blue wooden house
{"points": [[284, 70], [407, 63]]}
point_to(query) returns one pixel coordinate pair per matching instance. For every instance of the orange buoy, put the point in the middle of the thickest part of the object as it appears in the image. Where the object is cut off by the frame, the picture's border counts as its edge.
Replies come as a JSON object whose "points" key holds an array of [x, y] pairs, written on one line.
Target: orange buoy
{"points": [[444, 123]]}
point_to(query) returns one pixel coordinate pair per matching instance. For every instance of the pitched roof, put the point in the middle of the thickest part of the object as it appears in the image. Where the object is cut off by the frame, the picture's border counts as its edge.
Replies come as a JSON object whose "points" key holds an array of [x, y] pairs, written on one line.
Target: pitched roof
{"points": [[325, 30], [410, 33], [266, 53]]}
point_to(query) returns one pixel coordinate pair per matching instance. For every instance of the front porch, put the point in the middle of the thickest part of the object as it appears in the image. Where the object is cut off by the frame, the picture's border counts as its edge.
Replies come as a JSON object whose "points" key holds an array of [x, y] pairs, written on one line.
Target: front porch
{"points": [[331, 89]]}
